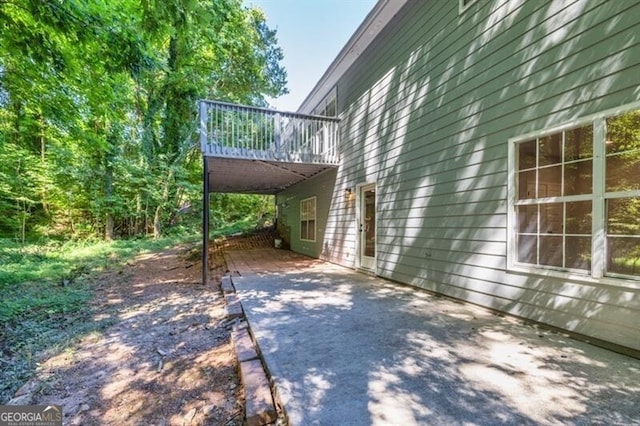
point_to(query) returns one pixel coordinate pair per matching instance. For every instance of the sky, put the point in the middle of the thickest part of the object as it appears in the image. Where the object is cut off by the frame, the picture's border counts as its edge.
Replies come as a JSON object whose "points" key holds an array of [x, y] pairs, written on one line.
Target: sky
{"points": [[311, 33]]}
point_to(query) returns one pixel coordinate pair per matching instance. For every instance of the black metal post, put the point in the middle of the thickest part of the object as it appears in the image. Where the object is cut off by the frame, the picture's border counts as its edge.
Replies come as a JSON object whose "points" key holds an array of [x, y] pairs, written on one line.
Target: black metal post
{"points": [[205, 220]]}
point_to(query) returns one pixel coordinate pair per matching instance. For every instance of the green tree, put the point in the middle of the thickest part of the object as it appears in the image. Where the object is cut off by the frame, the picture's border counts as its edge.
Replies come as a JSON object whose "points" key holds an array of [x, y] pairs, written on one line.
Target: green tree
{"points": [[205, 49], [98, 132]]}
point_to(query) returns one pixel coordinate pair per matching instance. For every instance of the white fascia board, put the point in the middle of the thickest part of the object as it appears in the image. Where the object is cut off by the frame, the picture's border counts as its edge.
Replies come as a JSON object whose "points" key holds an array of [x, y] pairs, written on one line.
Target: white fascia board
{"points": [[376, 20]]}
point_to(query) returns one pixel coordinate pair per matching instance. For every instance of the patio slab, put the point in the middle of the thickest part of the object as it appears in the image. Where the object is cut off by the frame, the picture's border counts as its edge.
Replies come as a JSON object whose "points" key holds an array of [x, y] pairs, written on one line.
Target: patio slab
{"points": [[350, 349]]}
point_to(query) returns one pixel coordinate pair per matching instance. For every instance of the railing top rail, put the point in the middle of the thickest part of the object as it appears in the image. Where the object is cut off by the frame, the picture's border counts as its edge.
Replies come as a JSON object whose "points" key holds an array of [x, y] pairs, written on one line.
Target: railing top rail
{"points": [[269, 111]]}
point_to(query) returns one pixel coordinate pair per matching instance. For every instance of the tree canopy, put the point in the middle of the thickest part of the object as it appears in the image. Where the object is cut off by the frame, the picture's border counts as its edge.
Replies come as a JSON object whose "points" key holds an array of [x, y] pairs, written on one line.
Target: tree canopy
{"points": [[98, 129]]}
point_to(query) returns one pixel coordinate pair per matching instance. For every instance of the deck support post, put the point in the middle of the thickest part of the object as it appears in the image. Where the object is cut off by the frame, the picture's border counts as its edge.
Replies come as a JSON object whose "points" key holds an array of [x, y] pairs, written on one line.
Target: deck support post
{"points": [[205, 192], [205, 220]]}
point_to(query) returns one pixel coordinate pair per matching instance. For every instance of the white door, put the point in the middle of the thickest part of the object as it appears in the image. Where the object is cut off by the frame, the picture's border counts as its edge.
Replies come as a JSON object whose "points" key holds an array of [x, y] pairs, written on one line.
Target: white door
{"points": [[367, 226]]}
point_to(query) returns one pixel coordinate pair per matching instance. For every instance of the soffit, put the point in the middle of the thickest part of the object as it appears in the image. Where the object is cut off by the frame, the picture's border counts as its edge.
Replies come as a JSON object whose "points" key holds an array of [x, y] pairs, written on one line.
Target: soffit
{"points": [[257, 176]]}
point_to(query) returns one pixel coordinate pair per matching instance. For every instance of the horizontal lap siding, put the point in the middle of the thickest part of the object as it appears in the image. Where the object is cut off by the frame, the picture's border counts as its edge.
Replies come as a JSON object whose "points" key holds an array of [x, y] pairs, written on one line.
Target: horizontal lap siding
{"points": [[288, 204], [522, 100], [426, 113], [539, 304], [449, 109]]}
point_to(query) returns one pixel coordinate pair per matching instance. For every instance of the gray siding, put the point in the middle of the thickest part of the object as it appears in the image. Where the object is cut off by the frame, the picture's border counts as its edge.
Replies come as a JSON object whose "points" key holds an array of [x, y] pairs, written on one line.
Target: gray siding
{"points": [[426, 113]]}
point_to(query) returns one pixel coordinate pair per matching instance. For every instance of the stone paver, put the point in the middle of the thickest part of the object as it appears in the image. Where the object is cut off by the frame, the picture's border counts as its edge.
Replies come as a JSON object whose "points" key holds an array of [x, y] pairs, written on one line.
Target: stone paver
{"points": [[234, 308], [226, 285], [245, 349]]}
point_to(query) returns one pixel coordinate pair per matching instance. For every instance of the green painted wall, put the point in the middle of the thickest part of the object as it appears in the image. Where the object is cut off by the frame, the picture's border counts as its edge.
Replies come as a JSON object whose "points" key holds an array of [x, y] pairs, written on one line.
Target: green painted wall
{"points": [[288, 205], [427, 111]]}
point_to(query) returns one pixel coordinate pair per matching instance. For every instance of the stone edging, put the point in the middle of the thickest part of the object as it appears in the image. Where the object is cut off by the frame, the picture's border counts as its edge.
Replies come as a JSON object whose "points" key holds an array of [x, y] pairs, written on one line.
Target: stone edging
{"points": [[259, 402]]}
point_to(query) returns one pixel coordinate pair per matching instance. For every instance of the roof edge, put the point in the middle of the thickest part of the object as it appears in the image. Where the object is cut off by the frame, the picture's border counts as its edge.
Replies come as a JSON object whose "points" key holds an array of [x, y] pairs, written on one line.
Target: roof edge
{"points": [[374, 22]]}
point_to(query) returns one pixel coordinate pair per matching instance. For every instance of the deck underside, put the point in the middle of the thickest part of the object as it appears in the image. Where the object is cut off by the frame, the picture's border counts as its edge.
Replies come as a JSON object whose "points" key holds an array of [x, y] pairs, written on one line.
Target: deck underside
{"points": [[255, 176]]}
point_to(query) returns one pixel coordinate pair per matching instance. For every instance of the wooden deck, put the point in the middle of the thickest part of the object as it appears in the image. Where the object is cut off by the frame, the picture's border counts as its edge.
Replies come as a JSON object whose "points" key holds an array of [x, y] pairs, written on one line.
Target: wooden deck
{"points": [[266, 260]]}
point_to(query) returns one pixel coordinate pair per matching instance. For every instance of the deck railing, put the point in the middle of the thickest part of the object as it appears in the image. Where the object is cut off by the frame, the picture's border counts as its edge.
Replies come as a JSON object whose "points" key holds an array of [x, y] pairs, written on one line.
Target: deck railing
{"points": [[240, 131]]}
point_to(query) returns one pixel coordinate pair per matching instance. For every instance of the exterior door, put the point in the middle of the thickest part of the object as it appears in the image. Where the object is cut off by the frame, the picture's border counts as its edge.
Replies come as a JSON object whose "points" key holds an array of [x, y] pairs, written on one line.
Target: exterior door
{"points": [[367, 226]]}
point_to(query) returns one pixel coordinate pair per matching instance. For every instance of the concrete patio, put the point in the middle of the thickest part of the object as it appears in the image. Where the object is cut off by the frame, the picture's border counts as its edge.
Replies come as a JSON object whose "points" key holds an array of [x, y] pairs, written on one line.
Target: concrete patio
{"points": [[351, 349]]}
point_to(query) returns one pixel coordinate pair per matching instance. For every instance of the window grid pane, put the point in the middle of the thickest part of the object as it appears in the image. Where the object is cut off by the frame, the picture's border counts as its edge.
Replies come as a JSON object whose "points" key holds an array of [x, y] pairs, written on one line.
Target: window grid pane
{"points": [[555, 233], [308, 219], [623, 171], [527, 184], [579, 254], [622, 179], [527, 155], [578, 177], [550, 150], [623, 255], [559, 205], [623, 236]]}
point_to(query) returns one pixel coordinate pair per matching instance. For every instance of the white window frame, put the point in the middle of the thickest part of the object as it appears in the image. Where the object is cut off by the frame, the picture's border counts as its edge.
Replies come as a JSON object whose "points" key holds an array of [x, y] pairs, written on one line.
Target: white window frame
{"points": [[309, 218], [463, 5], [598, 197], [321, 108]]}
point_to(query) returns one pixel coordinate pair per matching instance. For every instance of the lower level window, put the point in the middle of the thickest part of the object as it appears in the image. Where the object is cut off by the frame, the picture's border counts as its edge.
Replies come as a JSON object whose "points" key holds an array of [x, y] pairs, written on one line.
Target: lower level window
{"points": [[308, 219], [576, 197]]}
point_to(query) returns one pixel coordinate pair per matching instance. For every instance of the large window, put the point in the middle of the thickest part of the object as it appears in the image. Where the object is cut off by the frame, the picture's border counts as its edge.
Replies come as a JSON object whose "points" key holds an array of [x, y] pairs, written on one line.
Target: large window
{"points": [[575, 197], [308, 219]]}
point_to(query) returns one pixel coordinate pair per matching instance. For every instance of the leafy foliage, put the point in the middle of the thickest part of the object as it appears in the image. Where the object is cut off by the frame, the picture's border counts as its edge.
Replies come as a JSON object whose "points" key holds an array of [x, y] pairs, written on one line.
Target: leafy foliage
{"points": [[98, 141], [98, 132]]}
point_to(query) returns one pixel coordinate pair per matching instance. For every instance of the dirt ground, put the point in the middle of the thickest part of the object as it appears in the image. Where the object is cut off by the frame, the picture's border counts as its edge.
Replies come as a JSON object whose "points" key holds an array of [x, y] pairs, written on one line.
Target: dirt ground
{"points": [[166, 358]]}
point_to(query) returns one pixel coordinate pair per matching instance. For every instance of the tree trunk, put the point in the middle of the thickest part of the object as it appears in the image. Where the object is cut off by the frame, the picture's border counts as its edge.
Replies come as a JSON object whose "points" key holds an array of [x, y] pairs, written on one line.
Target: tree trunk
{"points": [[109, 159], [108, 231], [157, 219], [108, 193], [138, 225], [166, 190], [43, 146]]}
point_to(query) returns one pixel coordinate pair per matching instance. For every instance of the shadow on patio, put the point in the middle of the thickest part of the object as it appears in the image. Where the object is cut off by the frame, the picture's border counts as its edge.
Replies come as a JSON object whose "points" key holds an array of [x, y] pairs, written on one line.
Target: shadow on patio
{"points": [[347, 348]]}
